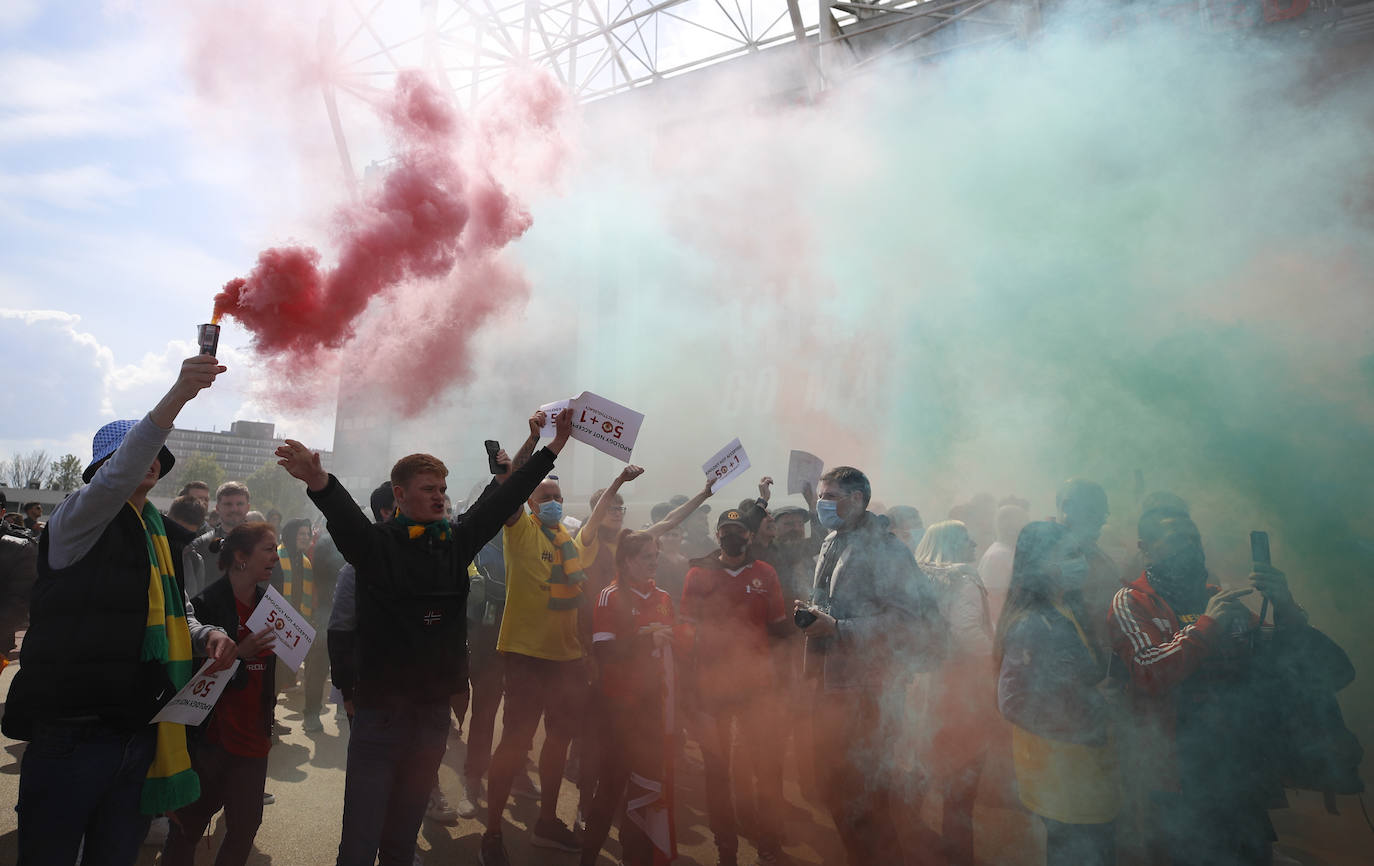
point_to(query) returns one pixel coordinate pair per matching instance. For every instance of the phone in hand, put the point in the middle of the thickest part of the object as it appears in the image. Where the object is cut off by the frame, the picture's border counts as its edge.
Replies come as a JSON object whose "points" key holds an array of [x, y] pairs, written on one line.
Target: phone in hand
{"points": [[804, 617], [1259, 547], [1259, 552], [493, 447]]}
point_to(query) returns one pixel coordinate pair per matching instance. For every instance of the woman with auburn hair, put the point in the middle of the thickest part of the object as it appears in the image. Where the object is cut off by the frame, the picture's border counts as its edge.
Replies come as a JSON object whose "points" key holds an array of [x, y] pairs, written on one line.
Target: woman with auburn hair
{"points": [[1048, 673], [633, 641], [230, 753]]}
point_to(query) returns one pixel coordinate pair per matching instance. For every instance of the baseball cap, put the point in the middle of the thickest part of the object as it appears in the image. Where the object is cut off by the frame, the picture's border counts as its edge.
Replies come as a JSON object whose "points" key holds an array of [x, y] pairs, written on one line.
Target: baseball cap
{"points": [[733, 517]]}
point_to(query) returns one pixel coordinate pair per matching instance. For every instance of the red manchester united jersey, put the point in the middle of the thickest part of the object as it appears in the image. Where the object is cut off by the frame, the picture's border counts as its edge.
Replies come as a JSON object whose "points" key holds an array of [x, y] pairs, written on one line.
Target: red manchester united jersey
{"points": [[622, 614]]}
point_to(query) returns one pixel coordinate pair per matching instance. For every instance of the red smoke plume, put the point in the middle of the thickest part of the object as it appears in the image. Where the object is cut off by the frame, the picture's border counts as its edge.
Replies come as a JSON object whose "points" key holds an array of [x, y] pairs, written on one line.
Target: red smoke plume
{"points": [[424, 241]]}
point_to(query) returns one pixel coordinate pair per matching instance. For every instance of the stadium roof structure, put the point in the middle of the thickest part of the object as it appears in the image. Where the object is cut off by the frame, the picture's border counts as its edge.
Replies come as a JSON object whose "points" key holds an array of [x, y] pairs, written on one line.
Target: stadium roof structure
{"points": [[599, 49]]}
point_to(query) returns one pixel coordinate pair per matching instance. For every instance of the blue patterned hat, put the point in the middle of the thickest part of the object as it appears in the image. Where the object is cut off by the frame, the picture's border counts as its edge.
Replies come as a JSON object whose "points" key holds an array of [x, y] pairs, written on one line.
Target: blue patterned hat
{"points": [[107, 440]]}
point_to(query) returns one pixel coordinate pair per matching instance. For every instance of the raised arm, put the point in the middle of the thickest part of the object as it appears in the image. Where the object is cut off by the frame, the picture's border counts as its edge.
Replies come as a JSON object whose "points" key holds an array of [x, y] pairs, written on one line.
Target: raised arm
{"points": [[77, 523], [674, 518], [531, 442], [593, 524], [348, 526], [502, 506]]}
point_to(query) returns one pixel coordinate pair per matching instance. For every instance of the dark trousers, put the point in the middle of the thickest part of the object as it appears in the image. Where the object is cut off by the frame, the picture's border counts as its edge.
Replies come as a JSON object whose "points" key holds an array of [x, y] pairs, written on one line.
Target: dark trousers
{"points": [[758, 728], [1079, 844], [488, 683], [231, 782], [316, 675], [590, 748], [394, 750], [83, 779], [1212, 828], [851, 753], [635, 745], [535, 687]]}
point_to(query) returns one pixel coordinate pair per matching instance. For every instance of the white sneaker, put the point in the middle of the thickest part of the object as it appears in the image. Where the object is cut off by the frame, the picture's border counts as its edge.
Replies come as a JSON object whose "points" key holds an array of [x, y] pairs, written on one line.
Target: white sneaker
{"points": [[469, 805], [439, 810], [157, 832]]}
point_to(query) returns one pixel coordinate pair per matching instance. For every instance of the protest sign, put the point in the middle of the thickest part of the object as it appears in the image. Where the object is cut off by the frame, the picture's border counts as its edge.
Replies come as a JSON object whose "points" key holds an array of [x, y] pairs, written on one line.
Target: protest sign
{"points": [[603, 424], [727, 463], [294, 633], [551, 411], [193, 703], [803, 468]]}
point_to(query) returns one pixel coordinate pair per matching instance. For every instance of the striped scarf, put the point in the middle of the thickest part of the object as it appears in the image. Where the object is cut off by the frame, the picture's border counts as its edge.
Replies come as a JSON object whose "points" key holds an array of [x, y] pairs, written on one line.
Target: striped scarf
{"points": [[306, 604], [566, 576], [171, 783]]}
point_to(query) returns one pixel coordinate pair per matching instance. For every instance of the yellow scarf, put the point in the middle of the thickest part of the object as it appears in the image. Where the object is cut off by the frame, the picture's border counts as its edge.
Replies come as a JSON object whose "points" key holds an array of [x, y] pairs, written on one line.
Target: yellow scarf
{"points": [[307, 603], [170, 783]]}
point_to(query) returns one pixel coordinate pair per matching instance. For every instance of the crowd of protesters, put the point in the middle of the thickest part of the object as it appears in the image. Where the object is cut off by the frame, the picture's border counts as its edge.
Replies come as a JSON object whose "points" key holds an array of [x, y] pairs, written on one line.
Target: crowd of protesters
{"points": [[882, 663]]}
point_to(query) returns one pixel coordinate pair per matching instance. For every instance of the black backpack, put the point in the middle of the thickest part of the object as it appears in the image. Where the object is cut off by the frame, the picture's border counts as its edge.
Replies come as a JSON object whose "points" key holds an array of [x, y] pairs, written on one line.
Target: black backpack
{"points": [[1311, 748]]}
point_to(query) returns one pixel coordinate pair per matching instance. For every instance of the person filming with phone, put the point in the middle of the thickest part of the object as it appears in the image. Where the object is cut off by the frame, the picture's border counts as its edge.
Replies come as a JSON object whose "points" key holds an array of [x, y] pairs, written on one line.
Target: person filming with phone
{"points": [[1206, 695]]}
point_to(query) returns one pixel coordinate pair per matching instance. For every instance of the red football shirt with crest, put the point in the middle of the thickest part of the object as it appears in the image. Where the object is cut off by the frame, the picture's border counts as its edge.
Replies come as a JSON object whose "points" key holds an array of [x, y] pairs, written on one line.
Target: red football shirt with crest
{"points": [[622, 611], [731, 609], [237, 723]]}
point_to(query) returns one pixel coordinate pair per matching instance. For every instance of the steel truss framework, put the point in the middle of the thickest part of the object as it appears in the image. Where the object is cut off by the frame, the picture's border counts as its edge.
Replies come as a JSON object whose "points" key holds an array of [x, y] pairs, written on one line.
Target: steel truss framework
{"points": [[598, 48]]}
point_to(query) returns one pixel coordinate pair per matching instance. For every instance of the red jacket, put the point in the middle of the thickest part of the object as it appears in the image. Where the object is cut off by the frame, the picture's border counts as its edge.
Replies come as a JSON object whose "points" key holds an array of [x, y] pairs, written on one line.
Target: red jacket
{"points": [[1159, 654]]}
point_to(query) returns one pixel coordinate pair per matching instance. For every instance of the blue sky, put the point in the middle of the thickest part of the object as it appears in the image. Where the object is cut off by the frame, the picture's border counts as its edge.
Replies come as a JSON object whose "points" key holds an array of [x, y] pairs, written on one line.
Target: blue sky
{"points": [[124, 205]]}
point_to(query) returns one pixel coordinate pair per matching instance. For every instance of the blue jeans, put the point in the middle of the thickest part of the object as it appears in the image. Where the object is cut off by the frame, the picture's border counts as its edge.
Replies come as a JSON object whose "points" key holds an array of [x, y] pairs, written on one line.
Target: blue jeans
{"points": [[394, 750], [83, 779]]}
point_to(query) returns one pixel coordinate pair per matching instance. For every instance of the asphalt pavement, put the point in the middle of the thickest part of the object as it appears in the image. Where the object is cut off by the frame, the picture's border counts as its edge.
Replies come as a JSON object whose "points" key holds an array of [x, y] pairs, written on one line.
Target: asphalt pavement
{"points": [[306, 775]]}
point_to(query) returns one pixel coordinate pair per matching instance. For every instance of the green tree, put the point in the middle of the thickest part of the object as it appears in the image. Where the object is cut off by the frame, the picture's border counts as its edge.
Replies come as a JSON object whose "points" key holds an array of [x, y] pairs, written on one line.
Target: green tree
{"points": [[197, 467], [65, 473], [271, 487]]}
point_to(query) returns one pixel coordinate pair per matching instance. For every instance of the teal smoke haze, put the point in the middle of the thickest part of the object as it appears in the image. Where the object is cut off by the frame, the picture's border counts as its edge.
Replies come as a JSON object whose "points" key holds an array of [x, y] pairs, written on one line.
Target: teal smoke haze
{"points": [[1089, 256]]}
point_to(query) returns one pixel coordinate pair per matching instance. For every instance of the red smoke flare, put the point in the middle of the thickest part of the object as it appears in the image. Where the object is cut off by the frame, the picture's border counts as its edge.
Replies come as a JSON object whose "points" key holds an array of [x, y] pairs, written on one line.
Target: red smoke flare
{"points": [[435, 221]]}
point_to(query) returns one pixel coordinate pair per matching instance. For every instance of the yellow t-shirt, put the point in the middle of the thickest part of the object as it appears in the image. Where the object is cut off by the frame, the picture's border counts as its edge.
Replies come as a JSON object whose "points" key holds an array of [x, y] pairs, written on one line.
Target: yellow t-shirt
{"points": [[530, 627]]}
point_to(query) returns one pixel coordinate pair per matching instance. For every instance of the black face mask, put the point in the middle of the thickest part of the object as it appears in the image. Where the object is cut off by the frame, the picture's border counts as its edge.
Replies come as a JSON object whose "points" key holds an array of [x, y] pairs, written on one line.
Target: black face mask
{"points": [[1181, 579], [733, 545]]}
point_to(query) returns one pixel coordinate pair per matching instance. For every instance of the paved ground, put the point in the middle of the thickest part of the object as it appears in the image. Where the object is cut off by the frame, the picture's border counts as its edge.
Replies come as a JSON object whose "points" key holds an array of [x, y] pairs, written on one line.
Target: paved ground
{"points": [[306, 775]]}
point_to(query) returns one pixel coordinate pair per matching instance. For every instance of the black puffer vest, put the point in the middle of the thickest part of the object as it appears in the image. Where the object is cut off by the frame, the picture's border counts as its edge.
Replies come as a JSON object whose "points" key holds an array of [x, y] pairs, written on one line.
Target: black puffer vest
{"points": [[80, 657]]}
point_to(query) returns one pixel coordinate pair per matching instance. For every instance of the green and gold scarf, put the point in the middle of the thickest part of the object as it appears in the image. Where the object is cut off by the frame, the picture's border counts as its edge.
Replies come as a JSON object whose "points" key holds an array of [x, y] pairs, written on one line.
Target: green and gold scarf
{"points": [[566, 576], [288, 586], [439, 530], [171, 783]]}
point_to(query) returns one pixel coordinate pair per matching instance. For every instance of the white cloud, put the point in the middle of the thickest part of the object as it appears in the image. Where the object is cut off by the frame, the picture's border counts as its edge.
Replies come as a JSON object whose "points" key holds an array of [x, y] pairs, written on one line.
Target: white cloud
{"points": [[70, 381], [81, 187], [119, 90]]}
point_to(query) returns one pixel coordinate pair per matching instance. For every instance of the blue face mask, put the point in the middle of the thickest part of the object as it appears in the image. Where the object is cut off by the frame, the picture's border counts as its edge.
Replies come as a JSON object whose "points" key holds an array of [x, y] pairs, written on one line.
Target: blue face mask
{"points": [[827, 512], [551, 512]]}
